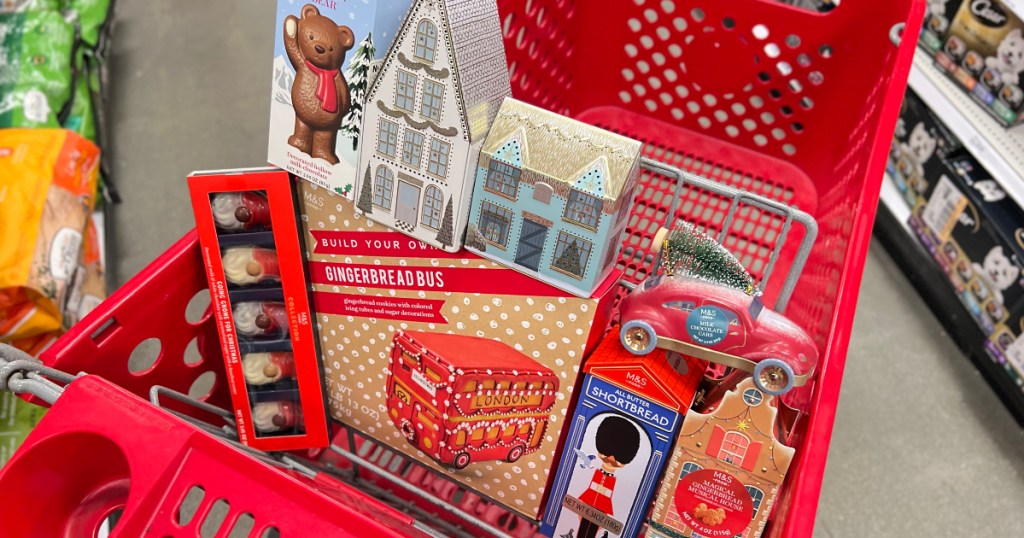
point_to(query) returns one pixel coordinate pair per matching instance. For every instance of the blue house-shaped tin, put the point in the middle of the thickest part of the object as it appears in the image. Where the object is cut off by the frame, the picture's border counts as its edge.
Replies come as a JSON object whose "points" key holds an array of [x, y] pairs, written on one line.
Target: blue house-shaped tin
{"points": [[551, 196]]}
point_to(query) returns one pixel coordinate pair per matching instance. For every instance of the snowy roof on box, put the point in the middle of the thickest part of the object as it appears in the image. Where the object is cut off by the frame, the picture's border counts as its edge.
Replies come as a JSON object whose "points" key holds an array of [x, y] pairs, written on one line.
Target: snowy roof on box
{"points": [[563, 149]]}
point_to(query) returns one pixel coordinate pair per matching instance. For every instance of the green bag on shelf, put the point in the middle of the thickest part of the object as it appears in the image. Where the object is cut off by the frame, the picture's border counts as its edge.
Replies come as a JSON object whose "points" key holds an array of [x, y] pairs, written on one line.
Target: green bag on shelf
{"points": [[92, 16], [17, 419], [36, 53]]}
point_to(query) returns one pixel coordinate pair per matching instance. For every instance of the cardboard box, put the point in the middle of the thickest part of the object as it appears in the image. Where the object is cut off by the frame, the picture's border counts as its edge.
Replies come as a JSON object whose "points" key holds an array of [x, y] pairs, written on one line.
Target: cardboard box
{"points": [[726, 469], [977, 46], [316, 109], [255, 266], [427, 113], [619, 439], [969, 225], [1007, 346], [371, 284], [938, 15], [919, 144]]}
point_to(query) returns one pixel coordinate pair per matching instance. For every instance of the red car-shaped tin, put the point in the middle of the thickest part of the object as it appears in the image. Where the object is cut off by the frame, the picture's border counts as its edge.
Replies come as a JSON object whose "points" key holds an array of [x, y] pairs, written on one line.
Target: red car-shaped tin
{"points": [[720, 324]]}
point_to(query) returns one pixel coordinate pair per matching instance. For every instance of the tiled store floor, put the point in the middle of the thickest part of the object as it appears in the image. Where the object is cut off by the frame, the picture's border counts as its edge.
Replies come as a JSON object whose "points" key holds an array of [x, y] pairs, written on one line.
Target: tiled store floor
{"points": [[921, 445]]}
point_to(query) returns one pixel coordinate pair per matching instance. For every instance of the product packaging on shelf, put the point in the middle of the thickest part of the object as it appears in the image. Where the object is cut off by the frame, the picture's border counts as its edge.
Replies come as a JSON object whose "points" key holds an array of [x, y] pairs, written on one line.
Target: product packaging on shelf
{"points": [[980, 45], [919, 144], [973, 228], [938, 15], [427, 113], [619, 439], [47, 191], [255, 266], [726, 468], [1007, 345], [458, 362]]}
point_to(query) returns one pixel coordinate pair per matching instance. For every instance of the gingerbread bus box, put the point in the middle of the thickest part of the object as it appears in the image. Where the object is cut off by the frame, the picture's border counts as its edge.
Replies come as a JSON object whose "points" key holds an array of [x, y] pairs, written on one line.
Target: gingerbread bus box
{"points": [[463, 399], [453, 311]]}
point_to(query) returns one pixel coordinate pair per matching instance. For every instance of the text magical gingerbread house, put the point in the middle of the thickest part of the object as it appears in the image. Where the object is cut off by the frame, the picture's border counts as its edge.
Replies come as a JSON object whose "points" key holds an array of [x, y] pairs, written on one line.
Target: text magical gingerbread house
{"points": [[427, 113], [737, 437]]}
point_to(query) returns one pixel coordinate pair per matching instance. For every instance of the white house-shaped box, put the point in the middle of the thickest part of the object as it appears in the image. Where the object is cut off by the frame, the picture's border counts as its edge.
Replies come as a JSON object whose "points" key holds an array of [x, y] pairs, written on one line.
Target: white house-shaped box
{"points": [[427, 113], [551, 197]]}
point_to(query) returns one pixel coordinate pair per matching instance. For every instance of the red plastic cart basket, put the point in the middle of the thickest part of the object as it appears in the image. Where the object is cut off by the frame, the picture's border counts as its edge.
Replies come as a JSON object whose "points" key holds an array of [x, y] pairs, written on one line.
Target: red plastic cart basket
{"points": [[793, 105]]}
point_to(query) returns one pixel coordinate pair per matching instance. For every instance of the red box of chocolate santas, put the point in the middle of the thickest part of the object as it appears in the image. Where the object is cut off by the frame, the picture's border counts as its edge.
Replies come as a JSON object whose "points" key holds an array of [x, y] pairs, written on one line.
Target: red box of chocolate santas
{"points": [[255, 265]]}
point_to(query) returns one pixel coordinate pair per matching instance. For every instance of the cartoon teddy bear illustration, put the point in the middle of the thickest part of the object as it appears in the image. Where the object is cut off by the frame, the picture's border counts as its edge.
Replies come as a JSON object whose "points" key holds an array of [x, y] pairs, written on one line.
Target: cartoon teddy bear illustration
{"points": [[998, 273], [1009, 58], [316, 47]]}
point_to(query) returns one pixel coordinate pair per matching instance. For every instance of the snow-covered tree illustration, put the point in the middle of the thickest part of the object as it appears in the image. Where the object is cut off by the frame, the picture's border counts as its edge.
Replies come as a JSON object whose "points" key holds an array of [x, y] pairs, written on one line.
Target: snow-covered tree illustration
{"points": [[357, 75], [365, 203], [444, 236]]}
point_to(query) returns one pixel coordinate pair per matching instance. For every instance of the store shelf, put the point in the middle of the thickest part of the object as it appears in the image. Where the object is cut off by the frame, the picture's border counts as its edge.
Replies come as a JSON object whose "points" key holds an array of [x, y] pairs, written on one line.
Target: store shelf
{"points": [[999, 150], [892, 199], [939, 294]]}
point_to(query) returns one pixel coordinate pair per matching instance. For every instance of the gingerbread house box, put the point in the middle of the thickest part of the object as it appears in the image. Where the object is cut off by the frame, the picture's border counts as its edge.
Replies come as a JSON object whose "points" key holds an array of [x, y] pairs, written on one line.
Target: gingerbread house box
{"points": [[619, 440], [427, 112], [551, 197], [725, 471]]}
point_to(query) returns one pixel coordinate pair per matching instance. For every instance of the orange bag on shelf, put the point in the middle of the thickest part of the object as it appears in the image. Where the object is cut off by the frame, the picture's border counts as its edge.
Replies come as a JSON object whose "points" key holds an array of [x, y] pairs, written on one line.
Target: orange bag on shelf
{"points": [[47, 192]]}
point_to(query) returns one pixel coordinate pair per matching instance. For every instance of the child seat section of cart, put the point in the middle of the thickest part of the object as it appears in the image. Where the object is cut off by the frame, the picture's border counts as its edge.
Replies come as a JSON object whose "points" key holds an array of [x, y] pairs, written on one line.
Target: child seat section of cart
{"points": [[148, 473], [786, 119]]}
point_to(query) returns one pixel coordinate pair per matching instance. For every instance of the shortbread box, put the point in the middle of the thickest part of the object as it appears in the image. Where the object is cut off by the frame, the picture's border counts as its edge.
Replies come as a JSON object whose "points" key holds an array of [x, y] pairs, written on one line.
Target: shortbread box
{"points": [[466, 365]]}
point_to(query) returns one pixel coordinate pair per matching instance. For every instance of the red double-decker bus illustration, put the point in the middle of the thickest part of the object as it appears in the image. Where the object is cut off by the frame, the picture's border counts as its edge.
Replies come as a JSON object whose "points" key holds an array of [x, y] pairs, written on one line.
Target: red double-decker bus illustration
{"points": [[462, 399]]}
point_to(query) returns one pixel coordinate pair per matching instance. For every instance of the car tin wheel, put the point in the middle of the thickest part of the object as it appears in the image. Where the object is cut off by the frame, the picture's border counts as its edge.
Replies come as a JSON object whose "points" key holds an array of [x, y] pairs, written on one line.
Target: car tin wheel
{"points": [[774, 377], [461, 460], [515, 453], [638, 337]]}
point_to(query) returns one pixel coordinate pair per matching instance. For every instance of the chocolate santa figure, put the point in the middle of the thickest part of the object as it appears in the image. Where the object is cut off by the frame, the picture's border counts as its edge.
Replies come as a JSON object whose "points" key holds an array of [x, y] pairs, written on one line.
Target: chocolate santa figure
{"points": [[250, 265], [236, 211], [273, 417], [261, 319], [617, 442], [266, 368]]}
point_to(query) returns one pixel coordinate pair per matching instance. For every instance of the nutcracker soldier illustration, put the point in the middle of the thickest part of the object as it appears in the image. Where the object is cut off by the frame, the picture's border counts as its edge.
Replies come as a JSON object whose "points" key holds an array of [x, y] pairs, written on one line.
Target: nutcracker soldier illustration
{"points": [[617, 442]]}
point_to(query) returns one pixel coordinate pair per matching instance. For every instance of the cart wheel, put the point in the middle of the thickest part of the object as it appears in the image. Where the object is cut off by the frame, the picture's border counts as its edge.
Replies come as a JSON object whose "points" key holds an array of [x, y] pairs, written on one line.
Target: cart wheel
{"points": [[516, 453], [773, 377], [461, 460], [638, 337]]}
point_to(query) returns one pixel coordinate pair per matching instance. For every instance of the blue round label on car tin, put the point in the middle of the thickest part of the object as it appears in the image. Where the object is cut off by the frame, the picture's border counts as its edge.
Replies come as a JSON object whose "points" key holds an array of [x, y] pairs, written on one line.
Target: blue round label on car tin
{"points": [[707, 325]]}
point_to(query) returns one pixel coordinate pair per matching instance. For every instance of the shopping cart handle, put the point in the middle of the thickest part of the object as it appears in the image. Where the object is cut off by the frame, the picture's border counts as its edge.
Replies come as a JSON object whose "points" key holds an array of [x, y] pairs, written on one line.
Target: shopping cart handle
{"points": [[20, 373]]}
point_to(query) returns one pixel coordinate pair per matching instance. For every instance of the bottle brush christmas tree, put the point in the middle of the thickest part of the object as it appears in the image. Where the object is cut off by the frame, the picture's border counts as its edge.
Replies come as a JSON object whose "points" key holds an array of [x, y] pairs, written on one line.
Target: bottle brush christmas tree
{"points": [[444, 236], [570, 261], [365, 203], [688, 251]]}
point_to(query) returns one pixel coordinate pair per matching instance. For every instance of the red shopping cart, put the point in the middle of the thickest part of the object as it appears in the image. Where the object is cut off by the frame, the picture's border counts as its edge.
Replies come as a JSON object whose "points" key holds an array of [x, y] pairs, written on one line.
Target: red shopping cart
{"points": [[793, 105]]}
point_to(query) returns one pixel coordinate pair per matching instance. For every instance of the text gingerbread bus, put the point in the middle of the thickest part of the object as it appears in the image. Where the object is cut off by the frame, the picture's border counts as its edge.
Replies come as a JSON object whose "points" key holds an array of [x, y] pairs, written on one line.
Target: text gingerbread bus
{"points": [[462, 399]]}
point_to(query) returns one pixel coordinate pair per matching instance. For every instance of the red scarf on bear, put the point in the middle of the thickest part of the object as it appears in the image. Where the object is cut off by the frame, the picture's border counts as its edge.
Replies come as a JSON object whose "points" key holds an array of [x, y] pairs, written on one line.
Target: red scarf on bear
{"points": [[326, 91]]}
